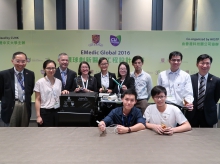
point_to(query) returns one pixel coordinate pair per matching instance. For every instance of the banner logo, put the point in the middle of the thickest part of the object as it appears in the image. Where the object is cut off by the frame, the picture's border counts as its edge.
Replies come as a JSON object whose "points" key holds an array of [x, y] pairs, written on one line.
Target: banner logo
{"points": [[115, 40], [95, 41]]}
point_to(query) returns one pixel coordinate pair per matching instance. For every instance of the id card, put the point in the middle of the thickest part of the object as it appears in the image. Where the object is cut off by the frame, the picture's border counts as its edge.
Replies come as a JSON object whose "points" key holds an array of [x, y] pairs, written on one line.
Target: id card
{"points": [[56, 105]]}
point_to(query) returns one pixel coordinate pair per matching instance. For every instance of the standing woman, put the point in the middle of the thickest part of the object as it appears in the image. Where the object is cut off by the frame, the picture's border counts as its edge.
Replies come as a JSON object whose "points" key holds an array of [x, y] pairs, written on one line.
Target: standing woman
{"points": [[104, 78], [85, 82], [47, 93], [124, 79]]}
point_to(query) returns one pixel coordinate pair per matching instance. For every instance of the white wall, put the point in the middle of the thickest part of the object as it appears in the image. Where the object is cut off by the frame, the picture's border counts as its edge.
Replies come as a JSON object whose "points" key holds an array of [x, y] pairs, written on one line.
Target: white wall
{"points": [[8, 15], [50, 22], [177, 15], [136, 14], [72, 14], [28, 14]]}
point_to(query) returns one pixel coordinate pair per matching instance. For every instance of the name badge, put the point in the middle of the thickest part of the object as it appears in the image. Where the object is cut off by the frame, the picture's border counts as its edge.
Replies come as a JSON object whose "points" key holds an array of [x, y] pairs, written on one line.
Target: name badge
{"points": [[56, 105]]}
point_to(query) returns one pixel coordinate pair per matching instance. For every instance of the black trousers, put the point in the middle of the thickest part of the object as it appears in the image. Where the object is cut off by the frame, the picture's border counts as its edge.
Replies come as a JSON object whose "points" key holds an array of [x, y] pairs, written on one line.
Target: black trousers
{"points": [[199, 120], [49, 117]]}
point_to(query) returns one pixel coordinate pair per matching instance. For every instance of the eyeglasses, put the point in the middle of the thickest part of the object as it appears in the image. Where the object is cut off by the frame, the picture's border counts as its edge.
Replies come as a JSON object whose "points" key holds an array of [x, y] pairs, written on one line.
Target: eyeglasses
{"points": [[159, 97], [122, 69], [203, 63], [176, 60], [104, 64], [84, 67], [52, 68], [20, 61]]}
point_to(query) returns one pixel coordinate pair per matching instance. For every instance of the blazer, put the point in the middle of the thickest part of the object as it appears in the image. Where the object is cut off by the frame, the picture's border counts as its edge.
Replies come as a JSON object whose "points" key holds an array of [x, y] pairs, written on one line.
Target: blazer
{"points": [[111, 82], [129, 82], [212, 94], [92, 83], [7, 92], [71, 75]]}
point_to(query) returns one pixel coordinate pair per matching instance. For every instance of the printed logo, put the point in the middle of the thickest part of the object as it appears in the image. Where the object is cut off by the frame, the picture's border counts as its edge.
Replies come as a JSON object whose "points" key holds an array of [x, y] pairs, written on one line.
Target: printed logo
{"points": [[95, 41], [28, 60], [115, 40], [162, 60]]}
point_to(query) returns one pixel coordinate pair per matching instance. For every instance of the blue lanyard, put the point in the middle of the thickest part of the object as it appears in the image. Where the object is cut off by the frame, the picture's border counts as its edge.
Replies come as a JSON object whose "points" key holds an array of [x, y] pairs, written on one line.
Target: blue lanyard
{"points": [[21, 82], [129, 119]]}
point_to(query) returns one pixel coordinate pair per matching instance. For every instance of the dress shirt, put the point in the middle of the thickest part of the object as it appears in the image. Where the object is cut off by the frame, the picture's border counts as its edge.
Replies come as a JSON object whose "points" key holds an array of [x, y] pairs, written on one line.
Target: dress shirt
{"points": [[105, 80], [116, 116], [178, 85], [62, 75], [17, 83], [143, 85], [205, 80]]}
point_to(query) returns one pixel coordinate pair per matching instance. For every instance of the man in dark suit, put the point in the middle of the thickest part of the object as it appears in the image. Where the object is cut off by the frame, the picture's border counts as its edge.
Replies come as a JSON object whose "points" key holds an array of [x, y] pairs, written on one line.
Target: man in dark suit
{"points": [[63, 73], [206, 90], [16, 88]]}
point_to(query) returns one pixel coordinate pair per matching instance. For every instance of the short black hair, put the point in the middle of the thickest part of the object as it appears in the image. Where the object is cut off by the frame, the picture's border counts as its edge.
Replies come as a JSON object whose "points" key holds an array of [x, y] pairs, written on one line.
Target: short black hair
{"points": [[101, 59], [136, 58], [127, 67], [129, 92], [204, 56], [175, 53], [157, 90], [46, 63], [18, 53], [83, 62]]}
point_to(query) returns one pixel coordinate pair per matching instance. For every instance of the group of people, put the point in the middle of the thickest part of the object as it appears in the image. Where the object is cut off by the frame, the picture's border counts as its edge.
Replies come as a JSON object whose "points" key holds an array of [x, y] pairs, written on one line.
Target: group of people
{"points": [[176, 95]]}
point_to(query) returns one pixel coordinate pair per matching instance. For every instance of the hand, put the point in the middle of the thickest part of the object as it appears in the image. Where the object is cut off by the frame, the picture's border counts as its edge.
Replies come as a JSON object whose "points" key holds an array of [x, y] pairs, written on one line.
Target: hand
{"points": [[77, 90], [189, 106], [65, 92], [109, 91], [39, 120], [168, 131], [124, 87], [121, 129], [102, 126], [100, 90], [158, 129]]}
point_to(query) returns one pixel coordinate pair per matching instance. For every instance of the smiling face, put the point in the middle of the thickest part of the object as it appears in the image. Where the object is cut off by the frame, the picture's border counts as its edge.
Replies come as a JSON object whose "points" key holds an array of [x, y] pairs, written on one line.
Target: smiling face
{"points": [[84, 69], [63, 61], [175, 63], [122, 70], [50, 69], [19, 62], [104, 65], [204, 66], [160, 99], [128, 101]]}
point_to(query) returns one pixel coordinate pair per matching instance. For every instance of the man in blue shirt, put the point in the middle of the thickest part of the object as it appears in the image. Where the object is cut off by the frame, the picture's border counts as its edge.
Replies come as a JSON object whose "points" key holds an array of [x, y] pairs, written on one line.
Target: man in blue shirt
{"points": [[128, 117]]}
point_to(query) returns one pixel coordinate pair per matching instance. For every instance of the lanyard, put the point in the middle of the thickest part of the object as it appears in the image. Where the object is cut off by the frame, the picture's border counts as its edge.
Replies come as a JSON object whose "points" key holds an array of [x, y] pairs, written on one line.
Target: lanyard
{"points": [[21, 82], [84, 84], [129, 119], [54, 93]]}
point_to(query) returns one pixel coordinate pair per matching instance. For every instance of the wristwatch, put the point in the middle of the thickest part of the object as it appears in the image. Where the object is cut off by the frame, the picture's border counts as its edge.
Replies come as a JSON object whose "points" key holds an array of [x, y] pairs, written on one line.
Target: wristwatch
{"points": [[129, 130]]}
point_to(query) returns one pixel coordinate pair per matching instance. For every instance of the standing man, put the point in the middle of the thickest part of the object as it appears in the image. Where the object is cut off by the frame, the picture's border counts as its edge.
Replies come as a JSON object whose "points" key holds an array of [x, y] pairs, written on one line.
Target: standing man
{"points": [[177, 83], [63, 73], [16, 88], [206, 89], [143, 83]]}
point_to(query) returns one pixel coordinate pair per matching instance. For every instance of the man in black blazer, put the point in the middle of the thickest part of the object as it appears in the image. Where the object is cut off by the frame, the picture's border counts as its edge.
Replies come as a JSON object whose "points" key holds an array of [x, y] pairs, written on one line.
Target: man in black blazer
{"points": [[63, 73], [16, 88], [204, 113]]}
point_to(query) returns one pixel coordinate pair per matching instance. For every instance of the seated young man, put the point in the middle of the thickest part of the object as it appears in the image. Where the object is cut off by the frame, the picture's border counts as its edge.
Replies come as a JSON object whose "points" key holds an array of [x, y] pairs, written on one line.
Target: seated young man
{"points": [[162, 117], [128, 117]]}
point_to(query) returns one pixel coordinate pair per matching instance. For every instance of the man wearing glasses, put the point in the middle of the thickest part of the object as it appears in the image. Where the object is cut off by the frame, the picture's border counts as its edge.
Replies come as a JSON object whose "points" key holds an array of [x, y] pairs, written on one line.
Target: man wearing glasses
{"points": [[206, 90], [177, 83], [16, 88]]}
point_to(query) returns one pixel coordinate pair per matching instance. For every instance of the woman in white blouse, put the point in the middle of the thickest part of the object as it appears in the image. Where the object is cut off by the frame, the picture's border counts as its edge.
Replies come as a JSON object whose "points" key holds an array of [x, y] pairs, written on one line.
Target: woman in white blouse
{"points": [[47, 93]]}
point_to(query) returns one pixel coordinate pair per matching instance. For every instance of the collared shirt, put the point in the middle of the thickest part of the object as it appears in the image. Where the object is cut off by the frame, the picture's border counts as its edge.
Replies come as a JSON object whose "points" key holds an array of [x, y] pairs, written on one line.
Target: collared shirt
{"points": [[65, 73], [143, 85], [105, 80], [116, 116], [205, 80], [178, 85], [17, 83]]}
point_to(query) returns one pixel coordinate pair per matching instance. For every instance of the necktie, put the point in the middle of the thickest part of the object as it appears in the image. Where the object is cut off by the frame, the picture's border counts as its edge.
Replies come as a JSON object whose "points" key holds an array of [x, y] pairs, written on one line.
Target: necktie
{"points": [[201, 96], [20, 91], [63, 75]]}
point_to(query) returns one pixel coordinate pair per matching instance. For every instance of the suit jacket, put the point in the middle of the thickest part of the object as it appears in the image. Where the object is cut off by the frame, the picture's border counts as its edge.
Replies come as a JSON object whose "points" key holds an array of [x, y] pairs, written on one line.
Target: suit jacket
{"points": [[129, 82], [111, 82], [71, 75], [92, 83], [7, 92], [212, 94]]}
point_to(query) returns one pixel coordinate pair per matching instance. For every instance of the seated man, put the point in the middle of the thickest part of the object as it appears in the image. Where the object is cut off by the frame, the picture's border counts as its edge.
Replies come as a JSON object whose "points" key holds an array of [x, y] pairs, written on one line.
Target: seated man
{"points": [[162, 117], [128, 117]]}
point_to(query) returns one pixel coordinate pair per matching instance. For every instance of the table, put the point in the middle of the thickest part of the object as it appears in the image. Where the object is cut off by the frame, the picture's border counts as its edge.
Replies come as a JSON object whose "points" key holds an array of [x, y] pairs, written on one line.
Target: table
{"points": [[84, 145]]}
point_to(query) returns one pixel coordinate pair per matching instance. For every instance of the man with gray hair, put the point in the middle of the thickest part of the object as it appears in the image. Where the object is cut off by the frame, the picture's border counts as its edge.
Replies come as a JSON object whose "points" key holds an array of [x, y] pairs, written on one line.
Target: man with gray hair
{"points": [[63, 73]]}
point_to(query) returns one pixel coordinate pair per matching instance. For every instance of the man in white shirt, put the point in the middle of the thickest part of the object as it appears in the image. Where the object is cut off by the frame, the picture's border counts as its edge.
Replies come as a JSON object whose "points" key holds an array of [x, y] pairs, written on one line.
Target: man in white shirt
{"points": [[162, 117], [177, 83]]}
